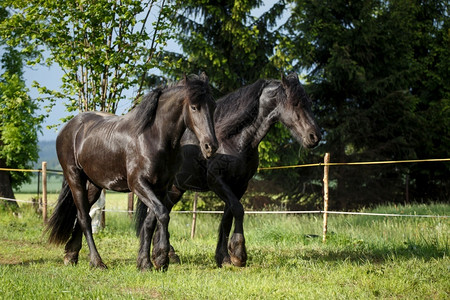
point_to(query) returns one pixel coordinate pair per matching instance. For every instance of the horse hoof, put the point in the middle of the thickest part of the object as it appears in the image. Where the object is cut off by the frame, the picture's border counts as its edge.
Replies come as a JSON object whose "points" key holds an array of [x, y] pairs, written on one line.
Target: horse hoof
{"points": [[174, 258], [238, 262], [238, 253], [226, 261], [100, 266], [161, 267], [146, 267], [69, 262], [71, 259], [161, 264], [144, 264], [160, 259]]}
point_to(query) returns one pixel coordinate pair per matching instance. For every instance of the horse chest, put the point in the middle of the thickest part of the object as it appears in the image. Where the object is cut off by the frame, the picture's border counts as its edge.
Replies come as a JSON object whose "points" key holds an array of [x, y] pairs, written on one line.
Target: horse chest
{"points": [[160, 169]]}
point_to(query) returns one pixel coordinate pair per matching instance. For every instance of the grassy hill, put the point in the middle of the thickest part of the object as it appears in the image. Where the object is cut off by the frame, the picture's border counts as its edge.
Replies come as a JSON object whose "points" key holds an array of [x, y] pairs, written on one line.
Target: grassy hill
{"points": [[47, 152]]}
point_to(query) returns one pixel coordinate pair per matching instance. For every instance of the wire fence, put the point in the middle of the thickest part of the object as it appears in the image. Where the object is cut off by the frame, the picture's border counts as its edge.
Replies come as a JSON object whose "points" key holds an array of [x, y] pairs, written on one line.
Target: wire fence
{"points": [[250, 212], [326, 164], [358, 163]]}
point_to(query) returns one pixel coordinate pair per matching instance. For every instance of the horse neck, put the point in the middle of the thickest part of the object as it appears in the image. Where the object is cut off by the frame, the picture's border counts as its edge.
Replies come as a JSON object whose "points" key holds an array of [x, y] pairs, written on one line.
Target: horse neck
{"points": [[252, 135], [170, 117]]}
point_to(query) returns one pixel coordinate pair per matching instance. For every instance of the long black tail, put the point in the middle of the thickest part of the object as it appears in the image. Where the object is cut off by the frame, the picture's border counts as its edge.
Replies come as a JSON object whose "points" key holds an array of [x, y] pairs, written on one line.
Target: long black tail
{"points": [[141, 214], [62, 221]]}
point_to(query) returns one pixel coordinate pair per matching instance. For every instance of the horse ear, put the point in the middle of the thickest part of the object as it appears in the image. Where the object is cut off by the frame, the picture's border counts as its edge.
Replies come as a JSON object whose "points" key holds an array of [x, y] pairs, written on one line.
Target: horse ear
{"points": [[203, 77], [185, 80], [294, 76]]}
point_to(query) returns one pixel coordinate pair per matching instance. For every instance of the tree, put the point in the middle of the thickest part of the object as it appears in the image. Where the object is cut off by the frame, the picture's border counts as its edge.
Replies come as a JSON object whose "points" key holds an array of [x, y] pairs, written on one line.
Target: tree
{"points": [[103, 47], [235, 48], [224, 40], [18, 133], [372, 75], [432, 50], [19, 126]]}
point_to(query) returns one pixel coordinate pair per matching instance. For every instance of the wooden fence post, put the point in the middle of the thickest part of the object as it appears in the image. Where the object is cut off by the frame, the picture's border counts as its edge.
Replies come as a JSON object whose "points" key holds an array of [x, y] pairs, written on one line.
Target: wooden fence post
{"points": [[326, 161], [194, 215], [130, 204], [44, 191]]}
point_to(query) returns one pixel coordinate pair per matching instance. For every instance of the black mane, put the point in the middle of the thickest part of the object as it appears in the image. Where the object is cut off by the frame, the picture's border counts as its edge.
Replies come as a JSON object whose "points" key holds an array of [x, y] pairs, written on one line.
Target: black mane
{"points": [[238, 109], [144, 113], [196, 88]]}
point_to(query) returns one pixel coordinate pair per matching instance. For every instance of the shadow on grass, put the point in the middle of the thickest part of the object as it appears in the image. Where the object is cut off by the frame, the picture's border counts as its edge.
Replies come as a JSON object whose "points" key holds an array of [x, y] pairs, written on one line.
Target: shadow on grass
{"points": [[357, 254], [275, 257], [31, 262], [375, 255]]}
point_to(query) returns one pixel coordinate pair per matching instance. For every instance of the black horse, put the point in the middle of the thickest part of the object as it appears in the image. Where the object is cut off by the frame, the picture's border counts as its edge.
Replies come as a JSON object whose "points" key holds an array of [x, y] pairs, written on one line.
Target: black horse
{"points": [[138, 152], [242, 119]]}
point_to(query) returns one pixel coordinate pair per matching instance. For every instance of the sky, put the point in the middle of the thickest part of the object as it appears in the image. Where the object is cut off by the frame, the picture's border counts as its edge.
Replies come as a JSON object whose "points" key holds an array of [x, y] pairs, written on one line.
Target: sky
{"points": [[51, 78]]}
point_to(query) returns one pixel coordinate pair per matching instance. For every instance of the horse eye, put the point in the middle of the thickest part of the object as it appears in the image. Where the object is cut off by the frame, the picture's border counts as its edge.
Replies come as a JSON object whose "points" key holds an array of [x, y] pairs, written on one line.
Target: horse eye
{"points": [[194, 108]]}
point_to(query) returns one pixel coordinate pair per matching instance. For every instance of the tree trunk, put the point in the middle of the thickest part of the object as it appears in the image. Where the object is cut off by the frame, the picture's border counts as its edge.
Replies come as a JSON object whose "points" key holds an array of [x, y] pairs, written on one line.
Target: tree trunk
{"points": [[6, 190]]}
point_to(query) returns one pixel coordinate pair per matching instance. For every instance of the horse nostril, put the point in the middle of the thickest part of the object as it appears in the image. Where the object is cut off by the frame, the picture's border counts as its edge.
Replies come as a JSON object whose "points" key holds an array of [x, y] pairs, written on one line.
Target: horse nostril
{"points": [[210, 149], [312, 137]]}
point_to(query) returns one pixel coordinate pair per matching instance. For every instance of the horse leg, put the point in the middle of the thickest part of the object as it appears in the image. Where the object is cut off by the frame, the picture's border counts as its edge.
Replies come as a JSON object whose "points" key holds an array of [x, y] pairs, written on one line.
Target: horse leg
{"points": [[145, 236], [236, 245], [174, 196], [148, 229], [73, 246], [161, 248], [222, 257], [77, 183]]}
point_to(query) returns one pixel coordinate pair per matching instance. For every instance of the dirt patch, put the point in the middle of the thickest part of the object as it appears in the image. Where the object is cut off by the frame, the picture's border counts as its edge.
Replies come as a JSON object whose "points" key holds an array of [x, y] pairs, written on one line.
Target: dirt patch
{"points": [[146, 293], [6, 260]]}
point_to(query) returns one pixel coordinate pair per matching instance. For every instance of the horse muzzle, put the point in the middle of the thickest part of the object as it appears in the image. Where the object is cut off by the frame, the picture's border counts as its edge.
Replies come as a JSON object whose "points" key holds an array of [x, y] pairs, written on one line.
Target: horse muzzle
{"points": [[209, 149], [312, 139]]}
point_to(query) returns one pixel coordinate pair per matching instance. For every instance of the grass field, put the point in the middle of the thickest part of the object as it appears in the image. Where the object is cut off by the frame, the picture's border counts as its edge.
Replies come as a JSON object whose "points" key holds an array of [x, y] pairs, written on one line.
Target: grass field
{"points": [[364, 258]]}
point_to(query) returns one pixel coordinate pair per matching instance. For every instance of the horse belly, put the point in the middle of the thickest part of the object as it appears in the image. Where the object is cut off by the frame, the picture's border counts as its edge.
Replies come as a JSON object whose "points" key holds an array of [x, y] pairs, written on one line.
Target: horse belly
{"points": [[118, 184], [105, 170], [107, 178]]}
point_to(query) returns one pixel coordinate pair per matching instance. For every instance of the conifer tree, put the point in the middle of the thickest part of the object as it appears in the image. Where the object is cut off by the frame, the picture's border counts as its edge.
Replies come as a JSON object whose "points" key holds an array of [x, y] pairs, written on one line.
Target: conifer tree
{"points": [[376, 69]]}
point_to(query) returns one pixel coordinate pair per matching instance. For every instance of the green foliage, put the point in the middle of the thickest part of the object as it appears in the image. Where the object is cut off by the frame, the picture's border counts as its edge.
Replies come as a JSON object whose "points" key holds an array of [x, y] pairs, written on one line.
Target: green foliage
{"points": [[364, 258], [271, 148], [235, 48], [376, 71], [103, 47], [19, 127], [224, 40]]}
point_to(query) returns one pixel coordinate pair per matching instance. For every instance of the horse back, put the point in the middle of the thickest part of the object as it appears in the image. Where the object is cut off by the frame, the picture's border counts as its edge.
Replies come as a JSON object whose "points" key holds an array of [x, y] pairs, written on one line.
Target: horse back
{"points": [[92, 143]]}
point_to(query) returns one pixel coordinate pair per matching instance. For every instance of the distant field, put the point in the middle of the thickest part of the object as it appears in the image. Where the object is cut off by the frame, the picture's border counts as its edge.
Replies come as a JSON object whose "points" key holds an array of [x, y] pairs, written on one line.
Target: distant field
{"points": [[116, 201], [364, 258], [54, 182]]}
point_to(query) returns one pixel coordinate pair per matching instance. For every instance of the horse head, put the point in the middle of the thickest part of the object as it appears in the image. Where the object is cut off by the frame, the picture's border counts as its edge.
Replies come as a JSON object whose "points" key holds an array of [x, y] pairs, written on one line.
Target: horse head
{"points": [[295, 112], [198, 112]]}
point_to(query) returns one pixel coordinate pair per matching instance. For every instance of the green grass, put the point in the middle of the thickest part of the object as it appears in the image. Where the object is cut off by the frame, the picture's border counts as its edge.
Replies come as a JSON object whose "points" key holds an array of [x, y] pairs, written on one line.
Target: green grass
{"points": [[364, 258]]}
